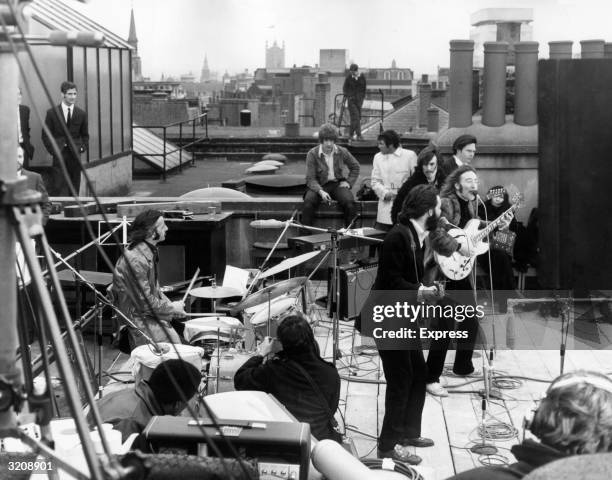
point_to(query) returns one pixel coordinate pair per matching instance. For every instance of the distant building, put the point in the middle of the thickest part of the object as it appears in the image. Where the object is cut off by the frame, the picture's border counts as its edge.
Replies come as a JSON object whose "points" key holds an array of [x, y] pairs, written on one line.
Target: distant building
{"points": [[275, 56], [133, 41], [394, 82], [205, 74], [500, 25], [332, 60], [188, 78]]}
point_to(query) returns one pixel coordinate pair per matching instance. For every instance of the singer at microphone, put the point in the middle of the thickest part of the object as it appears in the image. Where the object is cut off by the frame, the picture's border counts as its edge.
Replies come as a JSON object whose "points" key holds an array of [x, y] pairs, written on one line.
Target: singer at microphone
{"points": [[459, 205]]}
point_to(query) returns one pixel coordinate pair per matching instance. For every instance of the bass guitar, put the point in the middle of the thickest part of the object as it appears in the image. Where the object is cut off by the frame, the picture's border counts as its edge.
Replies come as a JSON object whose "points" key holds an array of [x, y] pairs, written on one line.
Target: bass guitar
{"points": [[457, 266]]}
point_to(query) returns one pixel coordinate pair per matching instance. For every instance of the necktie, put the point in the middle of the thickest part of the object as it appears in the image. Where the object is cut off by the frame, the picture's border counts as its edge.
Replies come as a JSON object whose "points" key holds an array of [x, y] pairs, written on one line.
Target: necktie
{"points": [[68, 117]]}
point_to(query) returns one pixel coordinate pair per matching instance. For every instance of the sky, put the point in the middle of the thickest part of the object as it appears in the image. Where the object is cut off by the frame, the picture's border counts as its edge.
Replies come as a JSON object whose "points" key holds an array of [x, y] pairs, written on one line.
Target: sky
{"points": [[175, 35]]}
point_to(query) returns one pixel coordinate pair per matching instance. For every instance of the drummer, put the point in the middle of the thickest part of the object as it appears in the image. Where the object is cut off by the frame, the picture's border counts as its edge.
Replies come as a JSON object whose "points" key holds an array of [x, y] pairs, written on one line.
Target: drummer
{"points": [[136, 283], [307, 385]]}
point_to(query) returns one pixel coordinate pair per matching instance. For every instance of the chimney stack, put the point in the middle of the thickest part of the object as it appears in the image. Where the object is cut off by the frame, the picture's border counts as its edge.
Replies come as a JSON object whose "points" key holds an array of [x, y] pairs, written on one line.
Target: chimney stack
{"points": [[494, 73], [608, 50], [526, 83], [424, 103], [460, 88], [592, 48], [560, 50], [433, 119]]}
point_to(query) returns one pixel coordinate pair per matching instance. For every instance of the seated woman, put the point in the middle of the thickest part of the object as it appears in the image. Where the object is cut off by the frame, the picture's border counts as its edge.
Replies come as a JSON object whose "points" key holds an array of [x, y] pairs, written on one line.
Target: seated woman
{"points": [[501, 262], [297, 376]]}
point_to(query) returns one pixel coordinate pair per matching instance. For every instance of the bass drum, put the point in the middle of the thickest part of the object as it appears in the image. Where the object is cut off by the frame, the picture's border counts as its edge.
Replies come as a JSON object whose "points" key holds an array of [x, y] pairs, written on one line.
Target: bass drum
{"points": [[223, 367]]}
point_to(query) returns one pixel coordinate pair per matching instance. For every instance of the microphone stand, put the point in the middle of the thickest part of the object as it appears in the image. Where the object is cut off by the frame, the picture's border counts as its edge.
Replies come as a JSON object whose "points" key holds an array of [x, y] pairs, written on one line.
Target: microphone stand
{"points": [[334, 296]]}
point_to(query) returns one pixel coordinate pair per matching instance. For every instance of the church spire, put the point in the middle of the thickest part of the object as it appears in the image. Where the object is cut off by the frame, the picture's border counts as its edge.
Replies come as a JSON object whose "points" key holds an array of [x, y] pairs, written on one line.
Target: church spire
{"points": [[132, 39]]}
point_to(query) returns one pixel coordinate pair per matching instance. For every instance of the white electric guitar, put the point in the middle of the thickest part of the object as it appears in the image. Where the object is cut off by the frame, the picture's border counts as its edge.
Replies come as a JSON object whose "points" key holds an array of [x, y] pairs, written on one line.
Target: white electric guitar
{"points": [[457, 266]]}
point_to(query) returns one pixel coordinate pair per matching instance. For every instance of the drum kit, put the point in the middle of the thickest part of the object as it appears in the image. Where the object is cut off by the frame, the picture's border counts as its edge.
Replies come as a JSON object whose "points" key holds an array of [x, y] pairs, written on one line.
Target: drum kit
{"points": [[222, 338]]}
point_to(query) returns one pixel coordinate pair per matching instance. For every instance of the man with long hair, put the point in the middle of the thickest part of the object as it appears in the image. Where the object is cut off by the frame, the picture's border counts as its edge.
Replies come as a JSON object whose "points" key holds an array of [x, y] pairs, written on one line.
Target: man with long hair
{"points": [[136, 283], [401, 268], [326, 178], [427, 172], [574, 418], [297, 376]]}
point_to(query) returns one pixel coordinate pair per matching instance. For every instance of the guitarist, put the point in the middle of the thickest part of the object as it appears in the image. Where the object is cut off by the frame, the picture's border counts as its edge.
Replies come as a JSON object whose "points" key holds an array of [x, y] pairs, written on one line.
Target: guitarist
{"points": [[459, 205]]}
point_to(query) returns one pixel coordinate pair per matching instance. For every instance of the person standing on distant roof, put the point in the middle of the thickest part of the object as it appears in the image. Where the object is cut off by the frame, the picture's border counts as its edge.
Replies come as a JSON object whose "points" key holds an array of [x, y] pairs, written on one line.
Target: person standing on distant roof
{"points": [[354, 90]]}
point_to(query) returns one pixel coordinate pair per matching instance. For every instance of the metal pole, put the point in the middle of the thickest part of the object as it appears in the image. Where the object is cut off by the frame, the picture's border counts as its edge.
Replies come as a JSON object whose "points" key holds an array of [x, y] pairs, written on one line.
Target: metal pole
{"points": [[164, 172], [8, 171]]}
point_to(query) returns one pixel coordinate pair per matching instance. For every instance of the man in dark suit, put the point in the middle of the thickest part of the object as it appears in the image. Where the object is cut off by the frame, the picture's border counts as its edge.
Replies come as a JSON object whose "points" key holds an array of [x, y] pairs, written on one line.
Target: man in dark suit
{"points": [[34, 182], [23, 133], [464, 149], [354, 89], [68, 115]]}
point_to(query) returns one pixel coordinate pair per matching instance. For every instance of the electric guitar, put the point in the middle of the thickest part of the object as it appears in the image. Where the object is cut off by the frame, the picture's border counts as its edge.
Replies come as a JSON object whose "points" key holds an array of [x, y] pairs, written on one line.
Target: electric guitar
{"points": [[457, 266]]}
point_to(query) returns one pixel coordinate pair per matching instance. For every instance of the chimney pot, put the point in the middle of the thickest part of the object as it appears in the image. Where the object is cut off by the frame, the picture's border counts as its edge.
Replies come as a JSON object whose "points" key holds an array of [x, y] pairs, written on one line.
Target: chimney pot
{"points": [[560, 50], [592, 48], [433, 119], [526, 83], [494, 75], [460, 83], [424, 103]]}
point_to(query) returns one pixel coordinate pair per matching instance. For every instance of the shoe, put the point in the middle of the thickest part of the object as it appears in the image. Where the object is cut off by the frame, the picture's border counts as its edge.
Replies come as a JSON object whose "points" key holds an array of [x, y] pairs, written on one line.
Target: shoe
{"points": [[436, 389], [400, 454], [477, 372], [420, 442]]}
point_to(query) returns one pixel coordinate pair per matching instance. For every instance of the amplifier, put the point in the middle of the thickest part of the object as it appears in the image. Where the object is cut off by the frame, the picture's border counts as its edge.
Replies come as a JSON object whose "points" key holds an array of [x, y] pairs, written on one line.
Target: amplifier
{"points": [[355, 284], [322, 241], [282, 449]]}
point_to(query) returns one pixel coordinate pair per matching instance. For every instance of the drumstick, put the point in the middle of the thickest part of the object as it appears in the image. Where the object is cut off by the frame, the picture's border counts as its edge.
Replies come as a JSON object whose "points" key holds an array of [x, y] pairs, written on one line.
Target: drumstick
{"points": [[191, 284]]}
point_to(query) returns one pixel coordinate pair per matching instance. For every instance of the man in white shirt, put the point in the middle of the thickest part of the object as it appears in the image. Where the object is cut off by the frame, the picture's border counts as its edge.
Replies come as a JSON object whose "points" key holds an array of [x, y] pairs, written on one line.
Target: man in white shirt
{"points": [[390, 169]]}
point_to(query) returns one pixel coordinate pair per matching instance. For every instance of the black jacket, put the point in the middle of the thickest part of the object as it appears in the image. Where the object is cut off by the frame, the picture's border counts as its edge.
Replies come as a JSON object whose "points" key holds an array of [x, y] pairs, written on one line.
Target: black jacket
{"points": [[417, 178], [355, 90], [78, 129], [530, 455], [24, 120], [35, 182], [283, 380]]}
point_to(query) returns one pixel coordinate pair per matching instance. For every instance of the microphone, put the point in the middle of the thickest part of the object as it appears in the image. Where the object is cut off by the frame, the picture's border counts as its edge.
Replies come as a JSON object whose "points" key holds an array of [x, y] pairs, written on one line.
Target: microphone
{"points": [[270, 223]]}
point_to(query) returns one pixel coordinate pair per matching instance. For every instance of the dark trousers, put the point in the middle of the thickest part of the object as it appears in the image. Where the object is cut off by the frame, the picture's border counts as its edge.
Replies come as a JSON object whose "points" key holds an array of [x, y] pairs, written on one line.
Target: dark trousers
{"points": [[355, 118], [342, 195], [465, 346], [58, 186], [405, 372]]}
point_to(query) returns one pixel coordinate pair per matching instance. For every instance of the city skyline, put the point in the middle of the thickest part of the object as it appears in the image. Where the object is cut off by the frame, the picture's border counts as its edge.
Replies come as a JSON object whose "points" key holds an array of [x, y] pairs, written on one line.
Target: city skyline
{"points": [[233, 33]]}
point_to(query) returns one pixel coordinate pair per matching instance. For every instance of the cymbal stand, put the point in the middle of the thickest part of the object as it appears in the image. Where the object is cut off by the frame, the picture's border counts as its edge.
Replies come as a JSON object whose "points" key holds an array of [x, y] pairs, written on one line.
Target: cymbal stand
{"points": [[264, 264]]}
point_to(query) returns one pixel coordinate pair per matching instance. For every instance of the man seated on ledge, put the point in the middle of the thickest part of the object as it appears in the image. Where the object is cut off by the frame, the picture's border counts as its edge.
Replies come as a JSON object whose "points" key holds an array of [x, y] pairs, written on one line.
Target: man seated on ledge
{"points": [[129, 410], [325, 178], [307, 385], [574, 418]]}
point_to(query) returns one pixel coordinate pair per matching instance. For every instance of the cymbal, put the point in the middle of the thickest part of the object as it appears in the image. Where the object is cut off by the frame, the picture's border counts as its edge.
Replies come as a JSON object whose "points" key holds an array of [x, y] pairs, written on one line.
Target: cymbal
{"points": [[289, 263], [215, 292], [269, 293]]}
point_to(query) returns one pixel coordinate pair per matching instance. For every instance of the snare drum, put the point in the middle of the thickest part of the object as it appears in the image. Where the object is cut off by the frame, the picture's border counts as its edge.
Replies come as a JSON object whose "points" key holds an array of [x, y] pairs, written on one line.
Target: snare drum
{"points": [[278, 309], [213, 332], [226, 366], [145, 359]]}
